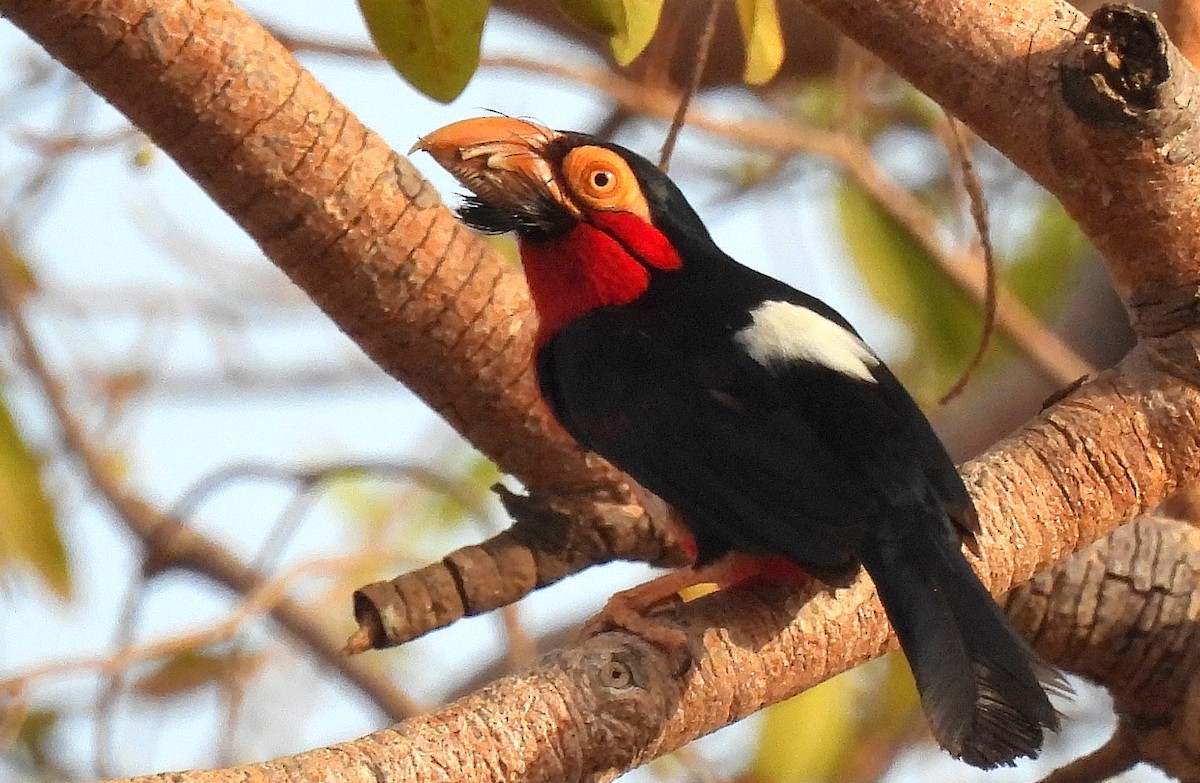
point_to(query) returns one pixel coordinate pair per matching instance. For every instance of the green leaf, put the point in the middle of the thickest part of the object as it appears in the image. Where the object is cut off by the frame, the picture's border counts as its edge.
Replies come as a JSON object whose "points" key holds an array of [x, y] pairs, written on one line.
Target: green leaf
{"points": [[630, 23], [824, 716], [906, 282], [29, 536], [1048, 259], [191, 670], [18, 268], [35, 736], [474, 484], [869, 711], [434, 44], [600, 16], [759, 20], [640, 20]]}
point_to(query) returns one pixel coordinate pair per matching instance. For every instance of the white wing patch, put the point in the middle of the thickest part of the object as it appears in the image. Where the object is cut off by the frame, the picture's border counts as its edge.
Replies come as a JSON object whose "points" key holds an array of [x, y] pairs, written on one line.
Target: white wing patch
{"points": [[782, 332]]}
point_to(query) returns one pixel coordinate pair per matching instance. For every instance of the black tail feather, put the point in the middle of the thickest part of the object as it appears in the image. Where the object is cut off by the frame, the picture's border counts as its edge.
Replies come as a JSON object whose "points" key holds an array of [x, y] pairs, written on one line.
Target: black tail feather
{"points": [[983, 688]]}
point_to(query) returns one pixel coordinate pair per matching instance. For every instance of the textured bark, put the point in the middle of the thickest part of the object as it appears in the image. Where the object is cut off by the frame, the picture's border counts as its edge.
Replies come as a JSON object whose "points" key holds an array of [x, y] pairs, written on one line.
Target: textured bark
{"points": [[1126, 612], [1109, 451], [543, 546], [1133, 187], [358, 228], [355, 226]]}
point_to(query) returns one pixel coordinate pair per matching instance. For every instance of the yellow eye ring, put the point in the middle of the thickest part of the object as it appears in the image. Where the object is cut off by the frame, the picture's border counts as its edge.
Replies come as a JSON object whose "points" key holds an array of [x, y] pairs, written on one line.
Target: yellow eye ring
{"points": [[599, 178]]}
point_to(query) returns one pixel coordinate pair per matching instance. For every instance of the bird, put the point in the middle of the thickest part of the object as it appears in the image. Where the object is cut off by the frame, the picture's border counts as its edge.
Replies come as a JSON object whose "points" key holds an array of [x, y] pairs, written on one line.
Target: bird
{"points": [[753, 409]]}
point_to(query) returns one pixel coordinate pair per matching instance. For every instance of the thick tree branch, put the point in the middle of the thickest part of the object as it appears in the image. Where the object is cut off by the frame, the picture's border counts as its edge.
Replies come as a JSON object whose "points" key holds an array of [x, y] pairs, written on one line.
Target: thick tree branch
{"points": [[1126, 612], [1112, 449], [355, 226], [1132, 186], [1109, 451]]}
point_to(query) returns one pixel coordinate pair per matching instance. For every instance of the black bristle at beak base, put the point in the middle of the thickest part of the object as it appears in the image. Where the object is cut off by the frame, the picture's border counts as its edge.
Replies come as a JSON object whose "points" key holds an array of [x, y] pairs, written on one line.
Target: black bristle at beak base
{"points": [[490, 219]]}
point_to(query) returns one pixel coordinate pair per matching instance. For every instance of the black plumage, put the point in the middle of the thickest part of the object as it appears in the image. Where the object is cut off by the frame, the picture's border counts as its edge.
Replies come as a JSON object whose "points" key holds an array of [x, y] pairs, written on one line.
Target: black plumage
{"points": [[752, 408], [798, 459]]}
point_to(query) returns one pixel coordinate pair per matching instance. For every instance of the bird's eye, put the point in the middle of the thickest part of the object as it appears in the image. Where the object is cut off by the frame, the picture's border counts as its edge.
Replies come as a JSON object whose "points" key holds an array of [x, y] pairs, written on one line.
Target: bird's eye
{"points": [[599, 178]]}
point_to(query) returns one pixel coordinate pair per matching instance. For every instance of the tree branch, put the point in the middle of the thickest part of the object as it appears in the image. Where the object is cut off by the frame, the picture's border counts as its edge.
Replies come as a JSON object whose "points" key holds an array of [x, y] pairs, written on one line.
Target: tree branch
{"points": [[169, 543], [1112, 449], [1132, 186], [358, 228], [1126, 612]]}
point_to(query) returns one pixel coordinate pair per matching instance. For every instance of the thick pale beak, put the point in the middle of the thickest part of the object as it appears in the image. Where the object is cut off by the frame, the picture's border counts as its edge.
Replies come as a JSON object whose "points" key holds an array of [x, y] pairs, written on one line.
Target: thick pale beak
{"points": [[500, 160]]}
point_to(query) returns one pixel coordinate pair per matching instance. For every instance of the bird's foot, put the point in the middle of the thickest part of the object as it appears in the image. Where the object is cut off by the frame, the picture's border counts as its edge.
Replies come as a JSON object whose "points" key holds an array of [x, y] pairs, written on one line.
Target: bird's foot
{"points": [[633, 610]]}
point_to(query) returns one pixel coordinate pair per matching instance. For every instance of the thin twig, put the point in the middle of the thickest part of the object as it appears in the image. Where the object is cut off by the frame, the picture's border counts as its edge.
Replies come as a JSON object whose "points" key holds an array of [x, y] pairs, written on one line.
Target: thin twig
{"points": [[974, 189], [258, 602], [169, 542], [106, 699], [1048, 353], [685, 100], [521, 650], [316, 475], [1105, 762]]}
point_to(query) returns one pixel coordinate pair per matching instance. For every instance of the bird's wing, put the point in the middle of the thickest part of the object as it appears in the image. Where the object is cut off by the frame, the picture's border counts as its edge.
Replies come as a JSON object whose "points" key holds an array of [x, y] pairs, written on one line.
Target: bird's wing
{"points": [[791, 457]]}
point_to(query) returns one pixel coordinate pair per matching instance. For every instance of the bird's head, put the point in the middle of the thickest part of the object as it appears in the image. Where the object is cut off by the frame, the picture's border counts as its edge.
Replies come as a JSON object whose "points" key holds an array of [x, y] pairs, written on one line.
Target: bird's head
{"points": [[595, 222]]}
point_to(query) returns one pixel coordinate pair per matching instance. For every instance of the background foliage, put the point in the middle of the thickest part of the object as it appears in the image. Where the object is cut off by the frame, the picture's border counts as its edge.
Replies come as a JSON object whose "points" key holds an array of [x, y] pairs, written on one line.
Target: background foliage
{"points": [[210, 387]]}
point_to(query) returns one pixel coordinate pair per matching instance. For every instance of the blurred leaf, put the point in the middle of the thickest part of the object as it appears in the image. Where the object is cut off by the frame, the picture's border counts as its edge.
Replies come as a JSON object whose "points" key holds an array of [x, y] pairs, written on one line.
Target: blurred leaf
{"points": [[808, 736], [1048, 259], [630, 23], [29, 533], [368, 506], [906, 282], [37, 734], [13, 712], [144, 156], [599, 16], [692, 592], [474, 483], [434, 44], [640, 20], [815, 101], [759, 20], [188, 671], [898, 698], [116, 463], [16, 267], [852, 725], [505, 245]]}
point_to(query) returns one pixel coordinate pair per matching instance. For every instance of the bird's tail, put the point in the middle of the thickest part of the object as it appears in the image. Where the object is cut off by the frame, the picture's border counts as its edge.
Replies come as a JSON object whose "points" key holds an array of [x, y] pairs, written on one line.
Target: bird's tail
{"points": [[983, 688]]}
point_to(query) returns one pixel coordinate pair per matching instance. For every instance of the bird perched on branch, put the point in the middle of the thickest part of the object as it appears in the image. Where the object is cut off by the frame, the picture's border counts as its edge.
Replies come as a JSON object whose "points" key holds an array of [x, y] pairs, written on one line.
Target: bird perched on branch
{"points": [[754, 409]]}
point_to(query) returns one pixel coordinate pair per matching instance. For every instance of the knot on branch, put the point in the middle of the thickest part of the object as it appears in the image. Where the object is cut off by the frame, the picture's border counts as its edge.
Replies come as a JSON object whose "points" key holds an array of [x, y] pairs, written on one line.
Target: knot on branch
{"points": [[1119, 64], [629, 692]]}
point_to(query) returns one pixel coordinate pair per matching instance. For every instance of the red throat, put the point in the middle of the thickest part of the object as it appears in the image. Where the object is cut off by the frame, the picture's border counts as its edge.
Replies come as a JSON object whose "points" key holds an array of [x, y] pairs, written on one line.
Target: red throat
{"points": [[602, 262]]}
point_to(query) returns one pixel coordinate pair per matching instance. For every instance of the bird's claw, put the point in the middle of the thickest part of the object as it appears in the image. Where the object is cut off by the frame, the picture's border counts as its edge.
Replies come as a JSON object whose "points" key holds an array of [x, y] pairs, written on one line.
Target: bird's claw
{"points": [[624, 615]]}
